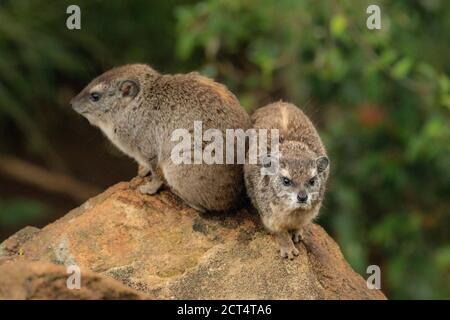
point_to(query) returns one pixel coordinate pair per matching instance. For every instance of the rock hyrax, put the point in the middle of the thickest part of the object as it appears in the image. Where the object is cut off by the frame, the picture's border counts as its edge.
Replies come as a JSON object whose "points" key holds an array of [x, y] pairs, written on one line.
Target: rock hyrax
{"points": [[138, 108], [290, 198]]}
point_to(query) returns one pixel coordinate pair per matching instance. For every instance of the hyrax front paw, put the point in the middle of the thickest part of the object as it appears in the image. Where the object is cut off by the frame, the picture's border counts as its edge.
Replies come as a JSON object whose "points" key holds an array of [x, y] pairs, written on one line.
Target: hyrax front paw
{"points": [[289, 252], [143, 171], [287, 248], [297, 236], [151, 187]]}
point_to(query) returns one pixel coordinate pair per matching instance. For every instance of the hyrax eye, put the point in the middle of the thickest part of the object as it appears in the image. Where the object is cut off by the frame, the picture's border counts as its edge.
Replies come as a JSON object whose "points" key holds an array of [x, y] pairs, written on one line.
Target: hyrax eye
{"points": [[95, 96], [312, 181], [286, 181]]}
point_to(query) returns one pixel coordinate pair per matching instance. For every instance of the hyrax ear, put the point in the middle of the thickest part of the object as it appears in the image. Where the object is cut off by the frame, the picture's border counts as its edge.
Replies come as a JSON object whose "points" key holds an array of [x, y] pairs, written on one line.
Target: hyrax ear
{"points": [[322, 163], [129, 88]]}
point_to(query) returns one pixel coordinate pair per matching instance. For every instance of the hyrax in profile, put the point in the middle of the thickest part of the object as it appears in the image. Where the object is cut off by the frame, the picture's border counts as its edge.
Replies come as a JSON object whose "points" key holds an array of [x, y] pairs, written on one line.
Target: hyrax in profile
{"points": [[289, 197], [138, 109]]}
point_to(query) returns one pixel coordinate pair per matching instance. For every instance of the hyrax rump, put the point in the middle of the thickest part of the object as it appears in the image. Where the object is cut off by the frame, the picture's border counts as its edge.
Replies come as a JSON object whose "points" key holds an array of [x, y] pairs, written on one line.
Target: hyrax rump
{"points": [[291, 197], [138, 108]]}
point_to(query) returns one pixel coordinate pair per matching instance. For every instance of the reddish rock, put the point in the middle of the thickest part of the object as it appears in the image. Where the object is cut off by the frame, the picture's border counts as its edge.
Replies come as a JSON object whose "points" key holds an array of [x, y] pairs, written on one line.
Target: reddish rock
{"points": [[24, 279], [163, 249]]}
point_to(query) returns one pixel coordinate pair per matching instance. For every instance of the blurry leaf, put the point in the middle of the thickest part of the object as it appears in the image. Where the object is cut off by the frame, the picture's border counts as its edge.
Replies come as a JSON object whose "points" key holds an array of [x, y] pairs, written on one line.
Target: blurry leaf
{"points": [[443, 258], [338, 25], [445, 100], [444, 83], [15, 211], [396, 228], [427, 70], [387, 57], [401, 69]]}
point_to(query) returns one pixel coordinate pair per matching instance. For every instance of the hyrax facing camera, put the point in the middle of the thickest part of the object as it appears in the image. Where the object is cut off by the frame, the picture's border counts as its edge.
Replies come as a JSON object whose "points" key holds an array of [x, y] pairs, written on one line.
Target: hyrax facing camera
{"points": [[138, 109], [288, 195]]}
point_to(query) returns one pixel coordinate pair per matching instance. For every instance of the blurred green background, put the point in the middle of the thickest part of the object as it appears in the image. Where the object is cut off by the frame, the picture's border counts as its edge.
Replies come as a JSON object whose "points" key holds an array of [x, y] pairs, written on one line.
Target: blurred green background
{"points": [[380, 98]]}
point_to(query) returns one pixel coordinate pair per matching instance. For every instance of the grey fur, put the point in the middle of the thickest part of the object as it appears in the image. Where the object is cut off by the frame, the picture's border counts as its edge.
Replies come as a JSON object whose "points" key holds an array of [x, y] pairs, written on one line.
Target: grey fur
{"points": [[302, 158], [138, 110]]}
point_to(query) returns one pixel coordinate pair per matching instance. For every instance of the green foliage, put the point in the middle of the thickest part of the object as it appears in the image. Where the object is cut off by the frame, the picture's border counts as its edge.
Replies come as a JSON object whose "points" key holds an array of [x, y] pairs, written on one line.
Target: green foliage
{"points": [[381, 99], [15, 211]]}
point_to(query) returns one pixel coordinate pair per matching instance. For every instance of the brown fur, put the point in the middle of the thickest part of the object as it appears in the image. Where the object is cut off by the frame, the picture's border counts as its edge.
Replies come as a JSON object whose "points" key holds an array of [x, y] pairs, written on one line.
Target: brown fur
{"points": [[288, 208], [140, 120]]}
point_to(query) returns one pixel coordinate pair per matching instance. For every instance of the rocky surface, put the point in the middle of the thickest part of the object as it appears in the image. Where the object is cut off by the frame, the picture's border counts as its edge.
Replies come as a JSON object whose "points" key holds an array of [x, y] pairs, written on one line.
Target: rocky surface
{"points": [[135, 246], [23, 279]]}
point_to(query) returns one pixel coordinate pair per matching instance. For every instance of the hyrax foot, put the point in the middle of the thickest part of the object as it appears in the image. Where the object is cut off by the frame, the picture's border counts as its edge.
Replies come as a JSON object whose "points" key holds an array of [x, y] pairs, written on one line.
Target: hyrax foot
{"points": [[287, 248], [151, 187], [289, 252], [297, 236], [143, 171]]}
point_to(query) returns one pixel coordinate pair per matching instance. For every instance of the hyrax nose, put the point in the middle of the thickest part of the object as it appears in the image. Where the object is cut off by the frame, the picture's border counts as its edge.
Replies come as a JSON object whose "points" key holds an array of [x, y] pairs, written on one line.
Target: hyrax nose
{"points": [[302, 197], [75, 101]]}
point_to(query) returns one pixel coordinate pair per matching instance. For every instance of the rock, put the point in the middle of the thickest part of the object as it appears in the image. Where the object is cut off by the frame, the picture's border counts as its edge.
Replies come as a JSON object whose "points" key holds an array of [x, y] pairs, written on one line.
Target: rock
{"points": [[12, 245], [157, 246], [22, 279]]}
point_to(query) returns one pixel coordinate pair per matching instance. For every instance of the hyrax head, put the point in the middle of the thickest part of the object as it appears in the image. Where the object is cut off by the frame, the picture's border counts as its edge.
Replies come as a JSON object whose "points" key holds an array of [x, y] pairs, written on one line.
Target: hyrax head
{"points": [[298, 176], [111, 93]]}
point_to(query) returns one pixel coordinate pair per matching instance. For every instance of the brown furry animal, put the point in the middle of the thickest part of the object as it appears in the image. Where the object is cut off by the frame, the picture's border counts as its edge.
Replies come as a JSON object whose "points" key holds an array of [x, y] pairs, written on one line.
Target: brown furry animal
{"points": [[138, 108], [291, 198]]}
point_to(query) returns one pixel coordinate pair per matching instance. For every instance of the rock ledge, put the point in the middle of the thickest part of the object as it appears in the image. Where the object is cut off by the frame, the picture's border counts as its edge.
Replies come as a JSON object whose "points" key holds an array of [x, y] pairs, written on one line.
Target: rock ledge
{"points": [[133, 246]]}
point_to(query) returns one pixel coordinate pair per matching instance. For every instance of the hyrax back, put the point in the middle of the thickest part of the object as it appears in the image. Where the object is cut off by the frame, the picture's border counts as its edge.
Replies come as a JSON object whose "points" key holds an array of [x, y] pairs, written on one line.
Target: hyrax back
{"points": [[291, 197], [138, 109]]}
